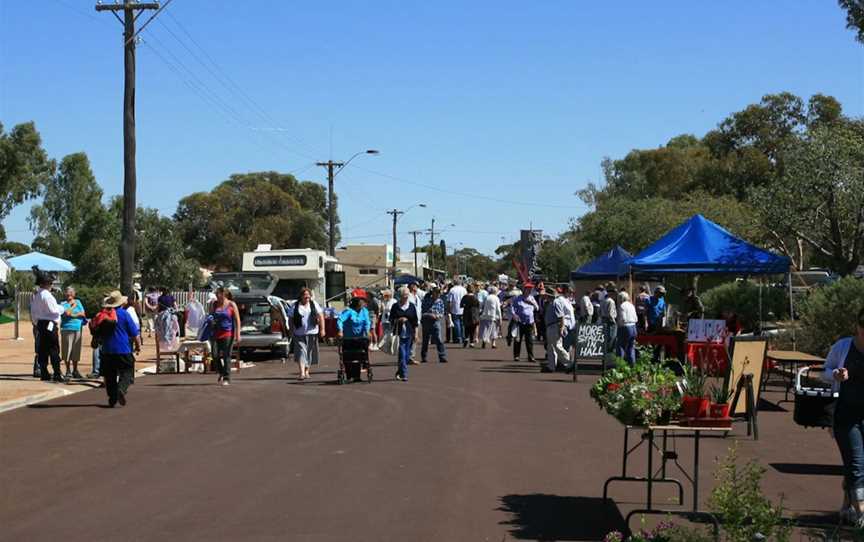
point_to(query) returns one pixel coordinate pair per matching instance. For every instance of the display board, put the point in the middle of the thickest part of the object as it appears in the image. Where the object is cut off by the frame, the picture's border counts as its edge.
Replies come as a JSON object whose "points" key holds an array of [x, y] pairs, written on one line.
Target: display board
{"points": [[748, 357], [702, 331], [590, 342]]}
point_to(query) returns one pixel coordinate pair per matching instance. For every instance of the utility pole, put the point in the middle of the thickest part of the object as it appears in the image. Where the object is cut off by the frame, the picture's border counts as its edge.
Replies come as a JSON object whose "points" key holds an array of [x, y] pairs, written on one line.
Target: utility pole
{"points": [[127, 241], [331, 203], [432, 247], [395, 213], [415, 233]]}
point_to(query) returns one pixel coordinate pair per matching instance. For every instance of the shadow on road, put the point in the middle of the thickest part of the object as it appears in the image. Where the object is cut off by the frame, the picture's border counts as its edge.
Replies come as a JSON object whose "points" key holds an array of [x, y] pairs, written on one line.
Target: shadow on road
{"points": [[552, 517], [45, 405], [808, 468]]}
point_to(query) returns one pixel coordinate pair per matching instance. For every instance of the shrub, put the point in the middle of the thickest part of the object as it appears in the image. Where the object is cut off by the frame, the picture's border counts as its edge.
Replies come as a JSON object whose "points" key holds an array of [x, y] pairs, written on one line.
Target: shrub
{"points": [[743, 299], [746, 514], [828, 313]]}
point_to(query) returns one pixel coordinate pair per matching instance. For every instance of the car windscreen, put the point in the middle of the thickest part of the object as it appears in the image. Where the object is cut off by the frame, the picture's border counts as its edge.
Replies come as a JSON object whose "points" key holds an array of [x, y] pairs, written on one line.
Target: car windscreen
{"points": [[289, 288]]}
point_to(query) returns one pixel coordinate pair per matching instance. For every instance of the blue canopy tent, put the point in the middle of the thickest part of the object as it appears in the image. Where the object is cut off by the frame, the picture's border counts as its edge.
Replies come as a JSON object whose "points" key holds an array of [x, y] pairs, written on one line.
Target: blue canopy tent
{"points": [[613, 263], [44, 261], [701, 246]]}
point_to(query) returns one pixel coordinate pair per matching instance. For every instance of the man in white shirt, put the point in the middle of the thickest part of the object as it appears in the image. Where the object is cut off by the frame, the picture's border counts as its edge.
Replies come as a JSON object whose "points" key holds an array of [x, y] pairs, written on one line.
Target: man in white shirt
{"points": [[556, 316], [586, 309], [627, 331], [45, 312], [416, 296], [609, 318], [454, 297]]}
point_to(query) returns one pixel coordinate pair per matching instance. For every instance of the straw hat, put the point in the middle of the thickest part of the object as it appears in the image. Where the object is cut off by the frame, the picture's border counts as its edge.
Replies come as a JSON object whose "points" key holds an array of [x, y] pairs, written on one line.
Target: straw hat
{"points": [[114, 300]]}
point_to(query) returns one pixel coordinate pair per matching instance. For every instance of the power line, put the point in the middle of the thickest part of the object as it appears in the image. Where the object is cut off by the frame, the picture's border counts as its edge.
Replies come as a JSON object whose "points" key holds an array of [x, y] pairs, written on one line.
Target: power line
{"points": [[463, 194]]}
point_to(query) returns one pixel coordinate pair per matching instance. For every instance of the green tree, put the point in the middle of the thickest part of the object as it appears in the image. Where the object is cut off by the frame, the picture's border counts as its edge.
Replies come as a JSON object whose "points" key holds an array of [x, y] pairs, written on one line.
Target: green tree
{"points": [[561, 255], [13, 248], [161, 254], [24, 166], [634, 224], [97, 249], [69, 197], [249, 209], [820, 199], [854, 17]]}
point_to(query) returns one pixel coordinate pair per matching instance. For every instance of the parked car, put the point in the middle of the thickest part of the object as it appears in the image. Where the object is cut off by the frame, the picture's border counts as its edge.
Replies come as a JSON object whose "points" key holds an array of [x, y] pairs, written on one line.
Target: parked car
{"points": [[263, 320]]}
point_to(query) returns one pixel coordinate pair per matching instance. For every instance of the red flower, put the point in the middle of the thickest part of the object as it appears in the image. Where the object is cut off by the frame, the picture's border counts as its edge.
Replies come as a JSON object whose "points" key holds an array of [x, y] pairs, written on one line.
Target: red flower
{"points": [[612, 387]]}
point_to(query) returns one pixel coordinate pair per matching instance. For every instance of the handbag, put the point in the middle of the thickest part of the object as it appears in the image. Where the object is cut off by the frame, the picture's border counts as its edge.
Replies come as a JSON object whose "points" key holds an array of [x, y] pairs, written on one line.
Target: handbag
{"points": [[391, 343]]}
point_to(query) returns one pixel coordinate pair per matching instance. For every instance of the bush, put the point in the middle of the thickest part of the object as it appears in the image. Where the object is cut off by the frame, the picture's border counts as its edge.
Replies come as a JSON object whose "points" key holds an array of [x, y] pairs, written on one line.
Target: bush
{"points": [[743, 299], [828, 313], [746, 514]]}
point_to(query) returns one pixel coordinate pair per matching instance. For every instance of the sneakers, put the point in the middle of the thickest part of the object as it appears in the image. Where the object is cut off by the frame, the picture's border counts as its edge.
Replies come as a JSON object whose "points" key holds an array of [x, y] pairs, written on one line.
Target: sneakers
{"points": [[76, 374], [225, 382], [398, 377], [67, 377], [58, 378]]}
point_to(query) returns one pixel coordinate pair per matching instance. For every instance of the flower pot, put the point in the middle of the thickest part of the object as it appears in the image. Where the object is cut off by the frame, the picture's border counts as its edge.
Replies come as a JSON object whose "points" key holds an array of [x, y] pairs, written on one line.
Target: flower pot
{"points": [[694, 407], [719, 410]]}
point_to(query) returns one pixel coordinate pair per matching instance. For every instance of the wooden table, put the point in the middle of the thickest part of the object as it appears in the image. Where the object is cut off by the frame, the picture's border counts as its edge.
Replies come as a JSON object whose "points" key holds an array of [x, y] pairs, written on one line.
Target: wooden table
{"points": [[795, 360], [648, 435]]}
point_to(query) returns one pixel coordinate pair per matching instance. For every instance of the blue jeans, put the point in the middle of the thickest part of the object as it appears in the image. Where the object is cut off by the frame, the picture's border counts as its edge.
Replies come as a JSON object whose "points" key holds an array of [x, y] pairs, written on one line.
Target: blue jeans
{"points": [[97, 360], [458, 330], [849, 432], [406, 341], [611, 335], [432, 333], [627, 343]]}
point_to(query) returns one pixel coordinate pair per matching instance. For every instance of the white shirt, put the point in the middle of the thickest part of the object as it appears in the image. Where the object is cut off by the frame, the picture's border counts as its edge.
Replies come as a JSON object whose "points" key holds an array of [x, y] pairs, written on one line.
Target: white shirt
{"points": [[491, 308], [627, 314], [570, 317], [385, 314], [416, 299], [306, 327], [587, 306], [455, 298], [43, 306], [134, 314]]}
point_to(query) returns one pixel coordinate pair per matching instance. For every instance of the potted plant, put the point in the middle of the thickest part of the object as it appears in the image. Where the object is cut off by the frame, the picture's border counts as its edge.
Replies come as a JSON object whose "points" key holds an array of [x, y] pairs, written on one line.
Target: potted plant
{"points": [[694, 402], [720, 397], [642, 394]]}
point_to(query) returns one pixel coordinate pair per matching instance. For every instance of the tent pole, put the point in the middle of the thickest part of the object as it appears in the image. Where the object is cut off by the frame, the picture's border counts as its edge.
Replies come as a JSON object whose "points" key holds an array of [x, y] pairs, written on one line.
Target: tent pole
{"points": [[791, 309], [632, 291], [17, 315]]}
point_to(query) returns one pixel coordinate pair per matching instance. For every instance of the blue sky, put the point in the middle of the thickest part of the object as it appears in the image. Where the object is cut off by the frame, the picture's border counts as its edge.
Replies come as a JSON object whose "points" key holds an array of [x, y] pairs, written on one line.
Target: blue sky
{"points": [[474, 105]]}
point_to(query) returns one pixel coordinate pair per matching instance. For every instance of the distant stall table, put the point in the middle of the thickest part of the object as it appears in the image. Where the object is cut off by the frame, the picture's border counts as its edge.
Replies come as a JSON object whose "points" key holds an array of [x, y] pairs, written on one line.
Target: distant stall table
{"points": [[709, 355], [671, 343], [794, 360]]}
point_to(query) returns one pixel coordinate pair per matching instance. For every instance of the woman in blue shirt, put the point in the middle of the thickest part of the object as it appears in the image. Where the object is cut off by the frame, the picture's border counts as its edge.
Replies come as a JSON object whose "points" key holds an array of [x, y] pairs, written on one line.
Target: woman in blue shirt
{"points": [[71, 322], [354, 321]]}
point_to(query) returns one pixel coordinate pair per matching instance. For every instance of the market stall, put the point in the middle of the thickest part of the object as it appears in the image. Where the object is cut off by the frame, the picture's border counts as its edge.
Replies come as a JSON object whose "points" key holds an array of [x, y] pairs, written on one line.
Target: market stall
{"points": [[699, 246]]}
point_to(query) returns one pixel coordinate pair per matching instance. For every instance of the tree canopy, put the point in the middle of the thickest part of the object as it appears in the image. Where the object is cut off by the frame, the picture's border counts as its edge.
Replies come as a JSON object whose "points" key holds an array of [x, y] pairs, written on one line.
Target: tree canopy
{"points": [[249, 209], [69, 197], [24, 166]]}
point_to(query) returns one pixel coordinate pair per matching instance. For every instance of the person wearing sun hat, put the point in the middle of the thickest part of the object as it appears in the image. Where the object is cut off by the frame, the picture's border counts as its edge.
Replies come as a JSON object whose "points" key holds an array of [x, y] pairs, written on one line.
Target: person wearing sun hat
{"points": [[117, 360]]}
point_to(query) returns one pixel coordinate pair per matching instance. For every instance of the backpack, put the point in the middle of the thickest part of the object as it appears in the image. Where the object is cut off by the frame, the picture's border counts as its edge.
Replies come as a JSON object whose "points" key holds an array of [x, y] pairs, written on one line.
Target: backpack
{"points": [[102, 326]]}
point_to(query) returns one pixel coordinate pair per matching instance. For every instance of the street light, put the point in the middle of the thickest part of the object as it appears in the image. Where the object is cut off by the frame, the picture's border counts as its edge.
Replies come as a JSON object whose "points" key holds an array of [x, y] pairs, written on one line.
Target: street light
{"points": [[396, 213], [333, 169]]}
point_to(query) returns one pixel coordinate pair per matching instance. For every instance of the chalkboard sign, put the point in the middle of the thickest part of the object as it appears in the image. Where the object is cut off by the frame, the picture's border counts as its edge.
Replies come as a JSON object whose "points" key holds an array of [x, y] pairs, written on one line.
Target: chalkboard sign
{"points": [[590, 342], [590, 345]]}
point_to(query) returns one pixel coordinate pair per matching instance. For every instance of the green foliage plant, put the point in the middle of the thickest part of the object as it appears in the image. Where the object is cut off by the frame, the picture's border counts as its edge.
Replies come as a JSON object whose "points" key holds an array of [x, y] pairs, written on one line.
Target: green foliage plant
{"points": [[737, 500], [695, 380], [643, 393], [828, 313], [742, 298]]}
